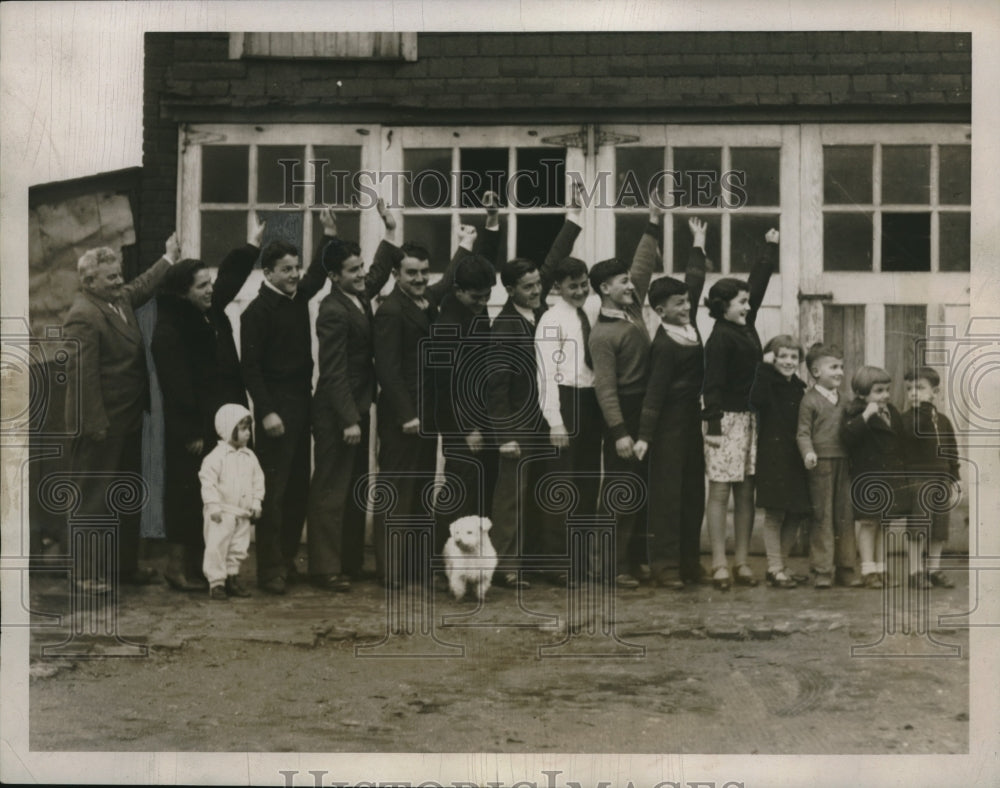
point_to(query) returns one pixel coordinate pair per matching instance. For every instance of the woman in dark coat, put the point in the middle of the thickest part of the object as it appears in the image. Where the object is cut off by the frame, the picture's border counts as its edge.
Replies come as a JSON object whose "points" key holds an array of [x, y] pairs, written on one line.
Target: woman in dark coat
{"points": [[199, 371], [782, 484]]}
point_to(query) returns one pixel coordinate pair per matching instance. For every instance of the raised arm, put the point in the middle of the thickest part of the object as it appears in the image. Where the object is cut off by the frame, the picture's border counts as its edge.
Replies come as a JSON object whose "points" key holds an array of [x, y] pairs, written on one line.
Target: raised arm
{"points": [[647, 255], [469, 243], [694, 276], [562, 246], [142, 288], [760, 274], [236, 267]]}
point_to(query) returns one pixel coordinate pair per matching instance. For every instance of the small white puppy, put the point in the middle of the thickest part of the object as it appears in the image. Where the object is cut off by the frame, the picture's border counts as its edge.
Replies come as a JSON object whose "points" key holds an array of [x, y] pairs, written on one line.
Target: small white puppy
{"points": [[469, 556]]}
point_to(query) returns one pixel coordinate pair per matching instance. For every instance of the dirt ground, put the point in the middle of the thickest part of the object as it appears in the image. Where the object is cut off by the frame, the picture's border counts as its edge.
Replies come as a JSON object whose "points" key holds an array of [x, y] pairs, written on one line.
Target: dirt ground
{"points": [[753, 670]]}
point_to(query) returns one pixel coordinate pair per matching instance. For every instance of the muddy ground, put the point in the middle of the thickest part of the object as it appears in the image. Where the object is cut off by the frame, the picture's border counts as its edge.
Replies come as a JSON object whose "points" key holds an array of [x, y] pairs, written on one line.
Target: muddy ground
{"points": [[753, 670]]}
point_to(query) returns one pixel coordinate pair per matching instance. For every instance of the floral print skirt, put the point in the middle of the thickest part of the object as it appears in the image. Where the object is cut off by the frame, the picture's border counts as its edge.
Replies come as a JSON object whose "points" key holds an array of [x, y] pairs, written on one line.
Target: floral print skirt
{"points": [[735, 459]]}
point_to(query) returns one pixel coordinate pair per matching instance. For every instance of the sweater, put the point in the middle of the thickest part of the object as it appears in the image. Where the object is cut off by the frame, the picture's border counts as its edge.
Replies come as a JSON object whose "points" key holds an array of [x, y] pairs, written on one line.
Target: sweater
{"points": [[819, 425]]}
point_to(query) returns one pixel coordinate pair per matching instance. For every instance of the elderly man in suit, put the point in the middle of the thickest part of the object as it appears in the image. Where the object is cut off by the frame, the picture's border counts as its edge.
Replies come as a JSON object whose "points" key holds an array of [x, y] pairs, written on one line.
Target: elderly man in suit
{"points": [[342, 404], [111, 389]]}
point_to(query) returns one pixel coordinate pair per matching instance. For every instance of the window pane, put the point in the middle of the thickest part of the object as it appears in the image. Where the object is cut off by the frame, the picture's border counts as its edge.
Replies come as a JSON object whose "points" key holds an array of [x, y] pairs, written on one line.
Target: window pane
{"points": [[629, 228], [844, 326], [954, 242], [535, 234], [483, 170], [434, 234], [698, 172], [906, 242], [746, 237], [847, 242], [283, 226], [954, 186], [335, 170], [274, 179], [479, 222], [221, 232], [634, 169], [541, 180], [759, 179], [906, 174], [427, 183], [904, 326], [847, 174], [683, 239], [224, 173], [348, 228]]}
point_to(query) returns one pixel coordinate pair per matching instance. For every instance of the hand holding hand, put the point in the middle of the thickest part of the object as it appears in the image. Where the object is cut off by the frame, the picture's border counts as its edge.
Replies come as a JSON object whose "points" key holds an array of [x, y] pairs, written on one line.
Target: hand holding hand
{"points": [[640, 449], [352, 435], [811, 460], [256, 232], [510, 449], [172, 248], [625, 448], [558, 437], [273, 425], [412, 427]]}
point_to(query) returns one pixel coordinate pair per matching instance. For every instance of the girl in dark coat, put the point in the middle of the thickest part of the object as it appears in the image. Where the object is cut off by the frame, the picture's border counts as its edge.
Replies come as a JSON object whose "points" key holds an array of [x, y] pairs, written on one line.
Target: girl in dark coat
{"points": [[782, 484], [199, 371], [872, 432]]}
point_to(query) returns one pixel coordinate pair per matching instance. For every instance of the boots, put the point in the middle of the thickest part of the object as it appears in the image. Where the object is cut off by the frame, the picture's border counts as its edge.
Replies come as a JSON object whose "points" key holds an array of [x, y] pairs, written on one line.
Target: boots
{"points": [[175, 575]]}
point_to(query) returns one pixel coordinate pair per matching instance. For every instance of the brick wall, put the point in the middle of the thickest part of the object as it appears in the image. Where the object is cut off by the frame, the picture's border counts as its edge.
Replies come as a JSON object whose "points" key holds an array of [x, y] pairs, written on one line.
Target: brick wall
{"points": [[489, 78]]}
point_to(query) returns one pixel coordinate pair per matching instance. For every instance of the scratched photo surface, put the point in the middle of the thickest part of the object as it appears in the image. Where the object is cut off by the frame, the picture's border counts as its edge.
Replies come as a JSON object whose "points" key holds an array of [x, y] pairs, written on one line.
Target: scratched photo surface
{"points": [[572, 398]]}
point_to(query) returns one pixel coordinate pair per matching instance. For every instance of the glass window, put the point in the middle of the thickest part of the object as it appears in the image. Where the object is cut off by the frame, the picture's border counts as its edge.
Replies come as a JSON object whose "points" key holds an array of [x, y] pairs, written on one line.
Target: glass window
{"points": [[635, 167], [954, 183], [335, 170], [224, 173], [954, 242], [427, 183], [482, 170], [434, 234], [278, 167], [758, 173], [629, 228], [535, 234], [847, 174], [348, 228], [283, 226], [699, 172], [906, 174], [478, 220], [847, 241], [747, 242], [906, 242], [541, 178], [221, 232]]}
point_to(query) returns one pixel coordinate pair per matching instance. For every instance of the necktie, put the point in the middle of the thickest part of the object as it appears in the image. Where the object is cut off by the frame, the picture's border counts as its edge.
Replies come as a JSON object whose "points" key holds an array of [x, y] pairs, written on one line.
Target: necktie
{"points": [[585, 325], [934, 424], [120, 313]]}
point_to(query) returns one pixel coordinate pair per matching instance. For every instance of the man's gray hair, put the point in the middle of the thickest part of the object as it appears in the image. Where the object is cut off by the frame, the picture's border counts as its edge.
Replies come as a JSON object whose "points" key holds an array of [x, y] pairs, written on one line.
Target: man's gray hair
{"points": [[86, 266]]}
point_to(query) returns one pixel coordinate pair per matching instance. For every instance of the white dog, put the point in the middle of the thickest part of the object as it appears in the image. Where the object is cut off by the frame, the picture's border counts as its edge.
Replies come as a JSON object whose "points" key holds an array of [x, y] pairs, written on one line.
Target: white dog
{"points": [[469, 556]]}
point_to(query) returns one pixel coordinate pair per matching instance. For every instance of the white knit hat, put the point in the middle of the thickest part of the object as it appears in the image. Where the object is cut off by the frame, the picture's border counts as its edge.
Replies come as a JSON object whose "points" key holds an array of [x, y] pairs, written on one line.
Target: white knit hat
{"points": [[227, 417]]}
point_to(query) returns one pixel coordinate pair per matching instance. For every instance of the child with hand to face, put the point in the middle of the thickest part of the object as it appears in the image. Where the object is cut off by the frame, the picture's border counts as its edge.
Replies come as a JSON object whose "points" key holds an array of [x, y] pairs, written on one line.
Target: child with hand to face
{"points": [[232, 489], [872, 431], [782, 483]]}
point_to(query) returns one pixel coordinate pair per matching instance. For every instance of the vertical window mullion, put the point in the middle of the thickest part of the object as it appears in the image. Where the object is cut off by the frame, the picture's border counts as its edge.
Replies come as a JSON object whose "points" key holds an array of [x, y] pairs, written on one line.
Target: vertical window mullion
{"points": [[935, 216], [509, 197], [877, 209], [724, 228]]}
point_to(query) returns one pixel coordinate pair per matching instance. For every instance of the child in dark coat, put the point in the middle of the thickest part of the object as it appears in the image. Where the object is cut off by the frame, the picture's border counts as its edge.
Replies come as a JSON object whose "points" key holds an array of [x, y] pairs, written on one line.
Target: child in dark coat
{"points": [[872, 431], [929, 448], [782, 484]]}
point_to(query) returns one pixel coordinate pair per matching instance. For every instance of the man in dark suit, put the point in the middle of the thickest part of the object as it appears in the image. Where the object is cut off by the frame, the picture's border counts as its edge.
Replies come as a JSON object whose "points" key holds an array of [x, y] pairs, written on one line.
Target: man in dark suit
{"points": [[276, 343], [112, 382], [341, 406], [406, 425]]}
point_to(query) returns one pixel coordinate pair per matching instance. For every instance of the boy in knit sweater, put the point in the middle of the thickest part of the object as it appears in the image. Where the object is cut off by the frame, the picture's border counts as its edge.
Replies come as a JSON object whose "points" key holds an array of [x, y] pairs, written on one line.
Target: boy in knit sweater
{"points": [[831, 538], [232, 489], [619, 349]]}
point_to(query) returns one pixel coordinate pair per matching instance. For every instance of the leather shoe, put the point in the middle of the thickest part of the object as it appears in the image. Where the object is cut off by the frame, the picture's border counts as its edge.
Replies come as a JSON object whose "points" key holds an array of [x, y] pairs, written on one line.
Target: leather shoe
{"points": [[626, 581], [332, 582], [744, 577], [823, 582], [721, 579], [235, 588], [940, 580], [180, 582], [780, 580], [276, 586], [218, 593]]}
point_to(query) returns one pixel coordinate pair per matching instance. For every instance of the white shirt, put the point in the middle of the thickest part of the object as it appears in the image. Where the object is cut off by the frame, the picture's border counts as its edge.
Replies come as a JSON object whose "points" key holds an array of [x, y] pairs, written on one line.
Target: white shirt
{"points": [[559, 349], [831, 396], [684, 335], [279, 292], [527, 314]]}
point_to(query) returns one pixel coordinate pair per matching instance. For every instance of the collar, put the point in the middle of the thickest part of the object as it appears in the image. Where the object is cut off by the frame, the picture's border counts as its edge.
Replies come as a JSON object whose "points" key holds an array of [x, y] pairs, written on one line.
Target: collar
{"points": [[230, 449], [831, 396], [614, 313], [527, 314], [422, 304], [274, 289], [685, 333]]}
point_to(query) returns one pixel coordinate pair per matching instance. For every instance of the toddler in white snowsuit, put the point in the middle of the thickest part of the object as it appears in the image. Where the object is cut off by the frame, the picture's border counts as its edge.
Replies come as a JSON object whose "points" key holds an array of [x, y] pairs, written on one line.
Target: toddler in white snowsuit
{"points": [[232, 488]]}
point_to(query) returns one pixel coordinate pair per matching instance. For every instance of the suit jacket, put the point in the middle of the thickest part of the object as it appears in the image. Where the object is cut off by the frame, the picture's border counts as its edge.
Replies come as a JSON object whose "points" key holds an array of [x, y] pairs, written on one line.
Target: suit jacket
{"points": [[512, 386], [874, 447], [109, 381], [346, 386]]}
